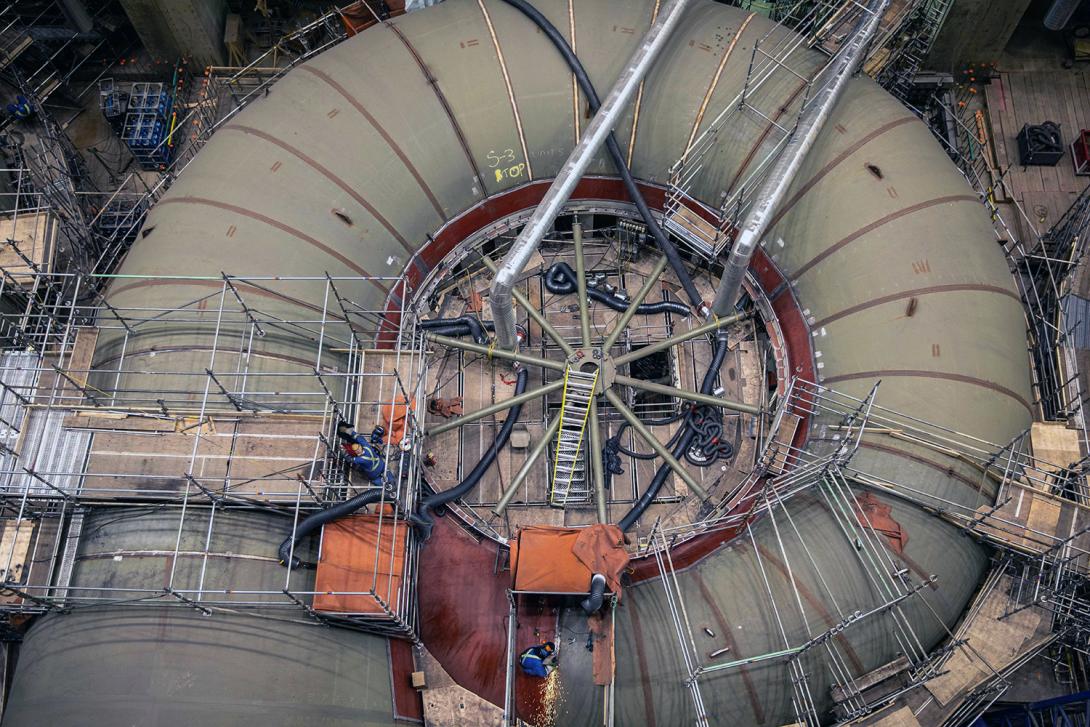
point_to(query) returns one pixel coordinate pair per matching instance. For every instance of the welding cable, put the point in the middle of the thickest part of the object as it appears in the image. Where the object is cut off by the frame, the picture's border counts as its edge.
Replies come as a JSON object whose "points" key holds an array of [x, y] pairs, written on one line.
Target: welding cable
{"points": [[668, 249], [683, 444], [461, 326], [612, 447], [318, 519], [423, 518], [560, 280]]}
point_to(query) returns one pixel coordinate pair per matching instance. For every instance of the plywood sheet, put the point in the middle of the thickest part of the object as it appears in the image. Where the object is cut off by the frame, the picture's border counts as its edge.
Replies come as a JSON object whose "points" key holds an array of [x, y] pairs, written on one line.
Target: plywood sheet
{"points": [[993, 644], [34, 234], [15, 538]]}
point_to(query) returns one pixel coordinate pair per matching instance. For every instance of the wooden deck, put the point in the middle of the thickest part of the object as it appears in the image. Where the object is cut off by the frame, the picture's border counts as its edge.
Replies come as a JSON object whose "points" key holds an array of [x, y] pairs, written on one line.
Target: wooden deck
{"points": [[252, 457], [1032, 87], [35, 234], [1021, 97]]}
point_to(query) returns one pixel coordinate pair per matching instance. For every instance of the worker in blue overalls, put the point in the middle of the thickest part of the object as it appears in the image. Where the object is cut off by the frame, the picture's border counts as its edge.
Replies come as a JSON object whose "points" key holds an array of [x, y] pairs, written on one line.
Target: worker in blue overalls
{"points": [[539, 660], [21, 109], [364, 454]]}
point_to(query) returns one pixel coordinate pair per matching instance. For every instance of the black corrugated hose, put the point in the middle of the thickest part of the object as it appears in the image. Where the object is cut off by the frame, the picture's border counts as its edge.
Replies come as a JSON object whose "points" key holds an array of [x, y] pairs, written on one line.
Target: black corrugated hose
{"points": [[683, 444], [668, 249], [318, 519], [422, 518], [560, 280]]}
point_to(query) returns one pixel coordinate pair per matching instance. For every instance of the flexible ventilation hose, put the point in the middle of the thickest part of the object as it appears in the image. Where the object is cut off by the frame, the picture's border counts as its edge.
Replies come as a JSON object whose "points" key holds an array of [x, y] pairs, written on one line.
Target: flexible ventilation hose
{"points": [[318, 519], [423, 517], [682, 445], [560, 280], [593, 602], [668, 249], [461, 326]]}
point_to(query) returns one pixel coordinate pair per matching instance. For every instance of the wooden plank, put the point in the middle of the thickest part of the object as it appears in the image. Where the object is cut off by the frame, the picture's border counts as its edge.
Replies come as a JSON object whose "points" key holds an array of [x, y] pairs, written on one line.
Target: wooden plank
{"points": [[1041, 523], [15, 536], [993, 644], [1054, 443], [35, 234], [903, 717], [83, 350]]}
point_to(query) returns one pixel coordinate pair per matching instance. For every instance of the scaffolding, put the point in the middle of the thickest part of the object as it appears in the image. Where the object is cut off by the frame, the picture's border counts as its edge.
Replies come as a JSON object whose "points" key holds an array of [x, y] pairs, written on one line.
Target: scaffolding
{"points": [[780, 57], [1040, 534], [64, 411]]}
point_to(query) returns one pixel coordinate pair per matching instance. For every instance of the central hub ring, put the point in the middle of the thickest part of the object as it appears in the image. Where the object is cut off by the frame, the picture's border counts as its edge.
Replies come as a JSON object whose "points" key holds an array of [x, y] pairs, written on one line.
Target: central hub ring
{"points": [[587, 360]]}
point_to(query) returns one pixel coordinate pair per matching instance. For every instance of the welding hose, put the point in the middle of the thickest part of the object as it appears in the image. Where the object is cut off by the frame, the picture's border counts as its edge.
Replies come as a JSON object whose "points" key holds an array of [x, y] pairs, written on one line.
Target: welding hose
{"points": [[423, 518], [683, 444], [318, 519], [560, 280], [461, 326], [668, 249]]}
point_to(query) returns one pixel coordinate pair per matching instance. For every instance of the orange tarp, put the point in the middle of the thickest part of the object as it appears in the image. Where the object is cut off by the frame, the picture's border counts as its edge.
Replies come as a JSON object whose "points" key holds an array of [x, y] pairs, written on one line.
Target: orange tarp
{"points": [[548, 559], [350, 562], [394, 417], [357, 17]]}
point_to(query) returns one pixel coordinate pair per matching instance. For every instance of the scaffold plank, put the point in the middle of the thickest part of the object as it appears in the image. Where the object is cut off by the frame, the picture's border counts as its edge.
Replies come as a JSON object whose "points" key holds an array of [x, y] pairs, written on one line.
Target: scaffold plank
{"points": [[995, 640]]}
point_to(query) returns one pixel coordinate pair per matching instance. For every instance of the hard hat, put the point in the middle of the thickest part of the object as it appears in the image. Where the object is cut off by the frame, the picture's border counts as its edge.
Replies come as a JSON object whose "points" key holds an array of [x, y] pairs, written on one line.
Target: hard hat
{"points": [[549, 646], [356, 447]]}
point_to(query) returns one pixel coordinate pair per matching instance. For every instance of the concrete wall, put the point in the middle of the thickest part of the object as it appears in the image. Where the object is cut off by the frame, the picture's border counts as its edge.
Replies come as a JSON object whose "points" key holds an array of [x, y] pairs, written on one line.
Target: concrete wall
{"points": [[975, 31], [170, 29]]}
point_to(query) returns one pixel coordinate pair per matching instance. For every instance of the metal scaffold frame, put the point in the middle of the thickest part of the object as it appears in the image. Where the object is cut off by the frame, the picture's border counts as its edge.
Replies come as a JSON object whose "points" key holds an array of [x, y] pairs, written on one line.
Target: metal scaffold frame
{"points": [[777, 55], [48, 393], [1049, 569]]}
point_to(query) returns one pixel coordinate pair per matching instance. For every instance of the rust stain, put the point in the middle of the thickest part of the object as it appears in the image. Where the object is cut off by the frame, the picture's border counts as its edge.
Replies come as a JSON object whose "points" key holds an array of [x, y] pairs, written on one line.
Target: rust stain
{"points": [[877, 516]]}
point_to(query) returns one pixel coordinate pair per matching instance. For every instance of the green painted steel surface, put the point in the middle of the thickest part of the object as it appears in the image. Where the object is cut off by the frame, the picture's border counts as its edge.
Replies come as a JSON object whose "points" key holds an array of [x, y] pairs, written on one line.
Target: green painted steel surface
{"points": [[877, 218], [162, 663]]}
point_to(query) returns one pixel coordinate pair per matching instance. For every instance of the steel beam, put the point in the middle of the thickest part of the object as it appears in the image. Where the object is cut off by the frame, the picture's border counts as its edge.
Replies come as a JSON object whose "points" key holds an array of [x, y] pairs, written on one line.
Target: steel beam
{"points": [[524, 471], [581, 284], [597, 471], [656, 445], [534, 313], [695, 396], [494, 408], [641, 296], [572, 171], [521, 358], [710, 327]]}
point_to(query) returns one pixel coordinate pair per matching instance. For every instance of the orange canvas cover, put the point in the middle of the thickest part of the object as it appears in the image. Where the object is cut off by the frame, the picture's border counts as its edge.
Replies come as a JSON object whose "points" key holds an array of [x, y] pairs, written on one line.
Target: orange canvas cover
{"points": [[395, 416], [357, 17], [350, 562], [546, 559]]}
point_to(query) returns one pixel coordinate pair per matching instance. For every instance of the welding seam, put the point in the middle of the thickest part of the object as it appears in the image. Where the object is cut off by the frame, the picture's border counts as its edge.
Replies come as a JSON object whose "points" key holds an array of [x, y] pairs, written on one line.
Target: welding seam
{"points": [[951, 288], [574, 80], [442, 99], [327, 173], [344, 260], [394, 147], [510, 90], [903, 212], [941, 375], [715, 83]]}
